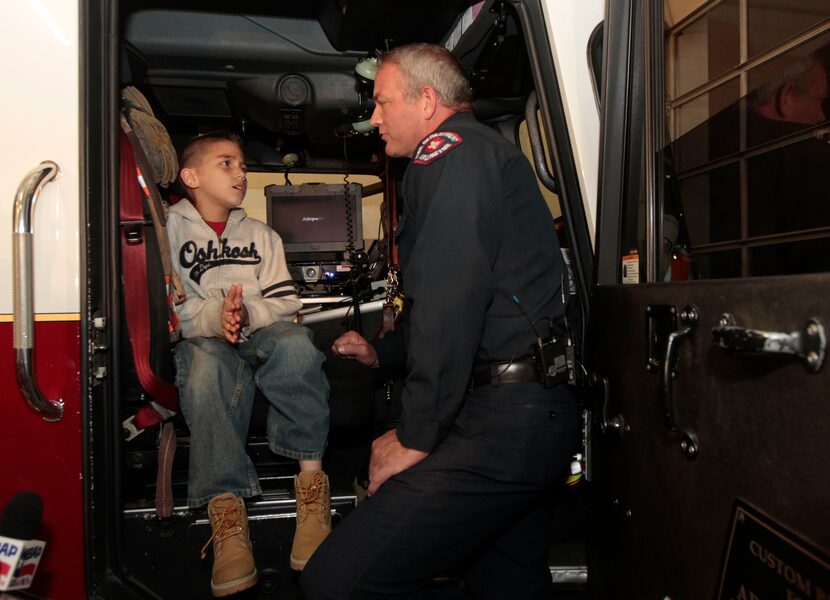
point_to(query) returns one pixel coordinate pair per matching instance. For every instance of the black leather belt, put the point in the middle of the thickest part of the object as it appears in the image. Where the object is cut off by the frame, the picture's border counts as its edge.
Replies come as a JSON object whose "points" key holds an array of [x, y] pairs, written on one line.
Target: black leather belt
{"points": [[520, 371]]}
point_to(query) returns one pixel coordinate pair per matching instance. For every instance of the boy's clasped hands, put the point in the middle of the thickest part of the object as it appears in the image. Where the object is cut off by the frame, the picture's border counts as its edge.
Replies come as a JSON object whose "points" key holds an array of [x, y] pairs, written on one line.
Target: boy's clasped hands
{"points": [[234, 315]]}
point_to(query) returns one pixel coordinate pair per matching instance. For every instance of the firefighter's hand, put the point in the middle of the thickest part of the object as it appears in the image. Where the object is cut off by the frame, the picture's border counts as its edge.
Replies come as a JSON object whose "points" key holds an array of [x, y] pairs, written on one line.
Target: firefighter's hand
{"points": [[353, 345], [234, 315], [389, 458]]}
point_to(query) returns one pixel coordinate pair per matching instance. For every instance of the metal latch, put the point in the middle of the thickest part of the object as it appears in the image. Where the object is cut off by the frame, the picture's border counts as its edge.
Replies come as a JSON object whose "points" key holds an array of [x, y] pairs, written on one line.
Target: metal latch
{"points": [[809, 345], [133, 230]]}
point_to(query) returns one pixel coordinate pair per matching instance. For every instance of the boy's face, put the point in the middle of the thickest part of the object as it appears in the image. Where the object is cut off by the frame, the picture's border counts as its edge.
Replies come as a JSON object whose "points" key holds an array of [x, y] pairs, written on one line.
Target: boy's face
{"points": [[217, 181]]}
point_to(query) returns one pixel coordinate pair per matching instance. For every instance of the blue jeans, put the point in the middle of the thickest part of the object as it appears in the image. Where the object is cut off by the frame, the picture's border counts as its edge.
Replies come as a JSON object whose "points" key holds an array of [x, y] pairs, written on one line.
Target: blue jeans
{"points": [[217, 381]]}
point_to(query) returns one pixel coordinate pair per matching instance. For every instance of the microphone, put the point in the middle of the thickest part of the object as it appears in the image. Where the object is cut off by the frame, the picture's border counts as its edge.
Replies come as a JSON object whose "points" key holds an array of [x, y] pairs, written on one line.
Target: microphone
{"points": [[19, 552], [21, 518]]}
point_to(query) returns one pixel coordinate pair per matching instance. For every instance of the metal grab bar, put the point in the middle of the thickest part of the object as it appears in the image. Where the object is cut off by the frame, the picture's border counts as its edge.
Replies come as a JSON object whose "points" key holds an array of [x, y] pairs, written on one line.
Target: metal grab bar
{"points": [[341, 312], [537, 148], [22, 269], [688, 438]]}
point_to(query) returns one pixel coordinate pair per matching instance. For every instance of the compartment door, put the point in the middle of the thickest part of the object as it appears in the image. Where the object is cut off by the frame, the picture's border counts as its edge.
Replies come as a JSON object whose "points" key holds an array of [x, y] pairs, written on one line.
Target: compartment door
{"points": [[709, 321]]}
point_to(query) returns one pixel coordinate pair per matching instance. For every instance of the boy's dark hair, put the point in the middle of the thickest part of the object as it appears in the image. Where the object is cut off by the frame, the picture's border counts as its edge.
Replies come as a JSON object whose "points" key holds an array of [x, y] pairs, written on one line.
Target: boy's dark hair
{"points": [[191, 151]]}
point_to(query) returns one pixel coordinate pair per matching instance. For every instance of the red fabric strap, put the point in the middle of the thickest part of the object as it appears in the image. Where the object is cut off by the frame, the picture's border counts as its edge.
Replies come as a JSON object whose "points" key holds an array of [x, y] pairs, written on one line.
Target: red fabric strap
{"points": [[134, 269], [147, 416]]}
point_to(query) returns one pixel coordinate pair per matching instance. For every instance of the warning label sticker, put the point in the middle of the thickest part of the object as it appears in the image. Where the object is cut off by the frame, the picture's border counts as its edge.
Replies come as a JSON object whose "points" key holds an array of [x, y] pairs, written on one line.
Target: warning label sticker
{"points": [[631, 268]]}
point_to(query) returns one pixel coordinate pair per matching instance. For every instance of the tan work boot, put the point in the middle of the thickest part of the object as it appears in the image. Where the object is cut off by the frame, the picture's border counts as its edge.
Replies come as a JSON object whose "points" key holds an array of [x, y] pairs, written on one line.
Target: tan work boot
{"points": [[313, 515], [234, 569]]}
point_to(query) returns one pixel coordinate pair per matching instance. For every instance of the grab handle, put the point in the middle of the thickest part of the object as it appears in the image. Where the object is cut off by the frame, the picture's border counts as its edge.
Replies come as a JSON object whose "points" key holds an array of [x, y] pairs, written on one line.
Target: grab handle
{"points": [[22, 276], [688, 439]]}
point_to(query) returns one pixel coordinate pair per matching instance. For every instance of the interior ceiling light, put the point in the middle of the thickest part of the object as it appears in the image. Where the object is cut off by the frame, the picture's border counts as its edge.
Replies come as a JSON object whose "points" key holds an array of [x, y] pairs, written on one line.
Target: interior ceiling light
{"points": [[367, 68], [290, 159]]}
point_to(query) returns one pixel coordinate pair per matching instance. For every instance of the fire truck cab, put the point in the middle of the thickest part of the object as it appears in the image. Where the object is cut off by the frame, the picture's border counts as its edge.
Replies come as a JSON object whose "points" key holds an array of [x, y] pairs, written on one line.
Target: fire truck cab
{"points": [[683, 147]]}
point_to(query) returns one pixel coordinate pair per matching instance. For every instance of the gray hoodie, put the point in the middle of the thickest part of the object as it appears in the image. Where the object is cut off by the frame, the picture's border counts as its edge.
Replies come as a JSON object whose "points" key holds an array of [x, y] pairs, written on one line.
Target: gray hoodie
{"points": [[248, 252]]}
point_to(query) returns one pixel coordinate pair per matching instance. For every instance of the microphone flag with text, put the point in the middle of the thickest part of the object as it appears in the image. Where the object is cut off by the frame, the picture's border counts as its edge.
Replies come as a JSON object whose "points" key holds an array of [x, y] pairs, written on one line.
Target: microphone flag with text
{"points": [[19, 553]]}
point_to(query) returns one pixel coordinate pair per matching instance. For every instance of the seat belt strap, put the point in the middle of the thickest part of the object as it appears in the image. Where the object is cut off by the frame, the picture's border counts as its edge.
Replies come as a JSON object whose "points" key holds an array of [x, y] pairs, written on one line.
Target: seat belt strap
{"points": [[134, 268], [137, 308], [393, 304], [164, 473]]}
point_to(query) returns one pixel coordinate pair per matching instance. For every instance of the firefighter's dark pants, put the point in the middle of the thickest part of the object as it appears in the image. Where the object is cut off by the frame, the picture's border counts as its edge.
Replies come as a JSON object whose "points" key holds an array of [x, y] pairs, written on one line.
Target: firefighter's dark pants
{"points": [[475, 507]]}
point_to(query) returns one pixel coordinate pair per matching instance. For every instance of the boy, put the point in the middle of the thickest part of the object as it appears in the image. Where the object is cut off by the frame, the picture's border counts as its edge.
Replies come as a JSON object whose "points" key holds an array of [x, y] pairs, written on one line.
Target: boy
{"points": [[239, 334]]}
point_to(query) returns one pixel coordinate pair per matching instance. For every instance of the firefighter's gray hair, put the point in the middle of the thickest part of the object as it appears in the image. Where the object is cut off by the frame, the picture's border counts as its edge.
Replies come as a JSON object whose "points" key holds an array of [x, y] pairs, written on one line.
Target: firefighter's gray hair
{"points": [[796, 74], [431, 65]]}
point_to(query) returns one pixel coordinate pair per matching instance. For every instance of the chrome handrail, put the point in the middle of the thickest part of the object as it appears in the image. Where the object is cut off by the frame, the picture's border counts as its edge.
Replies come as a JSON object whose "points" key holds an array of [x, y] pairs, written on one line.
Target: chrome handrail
{"points": [[22, 275]]}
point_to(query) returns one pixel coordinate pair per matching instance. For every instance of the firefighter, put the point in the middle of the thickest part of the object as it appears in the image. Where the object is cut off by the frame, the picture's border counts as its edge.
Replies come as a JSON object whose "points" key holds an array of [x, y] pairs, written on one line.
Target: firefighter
{"points": [[460, 485]]}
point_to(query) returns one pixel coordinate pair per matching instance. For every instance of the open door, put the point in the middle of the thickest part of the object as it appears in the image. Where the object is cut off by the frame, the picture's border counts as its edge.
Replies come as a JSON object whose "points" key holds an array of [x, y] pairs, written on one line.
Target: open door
{"points": [[710, 317]]}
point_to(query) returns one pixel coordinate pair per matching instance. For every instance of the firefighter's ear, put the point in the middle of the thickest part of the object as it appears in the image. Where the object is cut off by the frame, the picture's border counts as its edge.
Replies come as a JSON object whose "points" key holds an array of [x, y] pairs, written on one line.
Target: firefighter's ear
{"points": [[189, 178], [430, 99]]}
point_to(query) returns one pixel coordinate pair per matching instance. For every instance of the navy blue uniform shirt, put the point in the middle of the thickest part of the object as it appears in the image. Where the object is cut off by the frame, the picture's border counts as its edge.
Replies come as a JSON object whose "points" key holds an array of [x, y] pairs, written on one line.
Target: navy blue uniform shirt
{"points": [[475, 232]]}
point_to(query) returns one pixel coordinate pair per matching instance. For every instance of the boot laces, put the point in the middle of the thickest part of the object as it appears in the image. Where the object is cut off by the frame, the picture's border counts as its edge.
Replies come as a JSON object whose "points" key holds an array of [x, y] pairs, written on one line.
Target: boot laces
{"points": [[310, 499], [227, 525]]}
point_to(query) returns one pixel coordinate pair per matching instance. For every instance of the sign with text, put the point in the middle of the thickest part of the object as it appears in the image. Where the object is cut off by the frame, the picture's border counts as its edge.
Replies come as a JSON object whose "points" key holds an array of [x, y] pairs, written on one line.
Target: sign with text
{"points": [[18, 562], [766, 561]]}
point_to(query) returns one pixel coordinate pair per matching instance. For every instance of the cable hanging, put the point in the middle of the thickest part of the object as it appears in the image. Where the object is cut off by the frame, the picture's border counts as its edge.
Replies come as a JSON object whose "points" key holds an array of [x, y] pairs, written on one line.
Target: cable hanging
{"points": [[346, 203]]}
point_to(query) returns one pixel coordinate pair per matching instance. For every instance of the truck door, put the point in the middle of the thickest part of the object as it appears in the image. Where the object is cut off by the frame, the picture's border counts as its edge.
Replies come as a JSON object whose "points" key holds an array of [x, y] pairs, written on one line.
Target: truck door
{"points": [[710, 313], [41, 279]]}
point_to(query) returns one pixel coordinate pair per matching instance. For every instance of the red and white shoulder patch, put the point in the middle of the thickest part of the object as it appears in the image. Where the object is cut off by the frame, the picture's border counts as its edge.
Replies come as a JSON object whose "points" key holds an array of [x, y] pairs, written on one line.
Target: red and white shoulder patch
{"points": [[435, 145]]}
